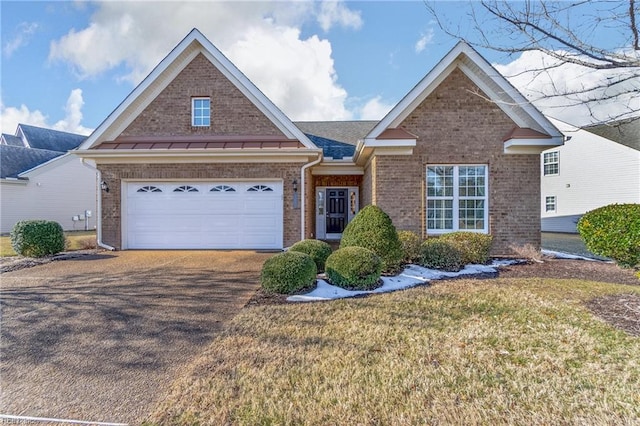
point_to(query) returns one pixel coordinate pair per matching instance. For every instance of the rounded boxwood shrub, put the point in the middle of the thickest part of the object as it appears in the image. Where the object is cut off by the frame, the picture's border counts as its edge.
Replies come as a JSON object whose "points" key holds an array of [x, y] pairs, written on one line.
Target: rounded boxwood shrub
{"points": [[372, 228], [437, 254], [288, 272], [318, 250], [410, 242], [613, 231], [37, 238], [475, 247], [354, 268]]}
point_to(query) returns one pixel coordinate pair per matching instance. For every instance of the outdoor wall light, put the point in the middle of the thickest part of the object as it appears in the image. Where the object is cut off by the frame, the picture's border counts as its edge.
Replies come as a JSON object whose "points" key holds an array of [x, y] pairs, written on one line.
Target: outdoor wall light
{"points": [[295, 185], [104, 186]]}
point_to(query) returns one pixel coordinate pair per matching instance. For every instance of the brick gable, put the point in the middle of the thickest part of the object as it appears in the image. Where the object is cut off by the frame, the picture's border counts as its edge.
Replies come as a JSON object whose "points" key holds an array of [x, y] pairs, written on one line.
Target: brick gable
{"points": [[456, 125], [232, 113]]}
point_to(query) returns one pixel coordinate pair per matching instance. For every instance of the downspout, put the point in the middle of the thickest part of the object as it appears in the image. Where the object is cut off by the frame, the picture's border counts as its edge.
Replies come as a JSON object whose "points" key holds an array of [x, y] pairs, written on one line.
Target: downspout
{"points": [[302, 193], [99, 207]]}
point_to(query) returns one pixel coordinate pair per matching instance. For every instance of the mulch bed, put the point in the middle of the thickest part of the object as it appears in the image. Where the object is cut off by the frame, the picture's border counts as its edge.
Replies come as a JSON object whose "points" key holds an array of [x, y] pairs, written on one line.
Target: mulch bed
{"points": [[621, 310]]}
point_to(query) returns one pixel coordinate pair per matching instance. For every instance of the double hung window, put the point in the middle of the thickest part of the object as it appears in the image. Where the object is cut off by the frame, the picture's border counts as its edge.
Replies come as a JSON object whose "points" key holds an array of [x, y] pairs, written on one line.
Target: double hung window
{"points": [[457, 198]]}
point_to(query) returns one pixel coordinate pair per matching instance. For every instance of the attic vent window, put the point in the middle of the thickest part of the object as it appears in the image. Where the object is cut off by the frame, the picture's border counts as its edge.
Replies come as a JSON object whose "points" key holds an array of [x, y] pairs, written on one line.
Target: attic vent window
{"points": [[260, 188], [201, 112], [149, 188], [186, 188], [222, 188]]}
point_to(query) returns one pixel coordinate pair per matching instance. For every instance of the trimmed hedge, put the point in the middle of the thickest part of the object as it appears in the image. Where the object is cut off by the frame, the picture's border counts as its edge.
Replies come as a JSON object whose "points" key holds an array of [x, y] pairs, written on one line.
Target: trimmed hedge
{"points": [[372, 228], [613, 231], [288, 272], [437, 254], [354, 268], [410, 242], [475, 247], [37, 238], [318, 250]]}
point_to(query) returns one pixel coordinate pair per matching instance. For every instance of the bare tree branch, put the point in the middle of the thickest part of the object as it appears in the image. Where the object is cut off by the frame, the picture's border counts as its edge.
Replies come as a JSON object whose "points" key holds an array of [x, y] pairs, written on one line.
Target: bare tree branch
{"points": [[597, 35]]}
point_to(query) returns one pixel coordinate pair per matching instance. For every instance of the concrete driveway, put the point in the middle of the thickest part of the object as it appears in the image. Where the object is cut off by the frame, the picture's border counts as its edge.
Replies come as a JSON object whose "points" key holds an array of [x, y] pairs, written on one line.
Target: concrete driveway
{"points": [[99, 338]]}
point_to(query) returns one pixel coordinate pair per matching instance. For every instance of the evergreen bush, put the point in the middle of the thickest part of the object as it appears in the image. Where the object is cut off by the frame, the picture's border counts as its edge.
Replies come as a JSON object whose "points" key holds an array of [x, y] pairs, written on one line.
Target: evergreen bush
{"points": [[354, 268], [372, 228], [613, 231], [288, 273], [318, 250], [37, 238]]}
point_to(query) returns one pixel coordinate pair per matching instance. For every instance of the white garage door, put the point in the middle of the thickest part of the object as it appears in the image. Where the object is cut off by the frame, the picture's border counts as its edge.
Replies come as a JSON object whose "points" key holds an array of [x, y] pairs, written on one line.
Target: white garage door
{"points": [[199, 215]]}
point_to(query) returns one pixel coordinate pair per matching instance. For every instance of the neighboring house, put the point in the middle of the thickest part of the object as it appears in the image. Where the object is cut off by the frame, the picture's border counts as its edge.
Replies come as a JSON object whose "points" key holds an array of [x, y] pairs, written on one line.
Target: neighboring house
{"points": [[41, 179], [595, 167], [197, 157]]}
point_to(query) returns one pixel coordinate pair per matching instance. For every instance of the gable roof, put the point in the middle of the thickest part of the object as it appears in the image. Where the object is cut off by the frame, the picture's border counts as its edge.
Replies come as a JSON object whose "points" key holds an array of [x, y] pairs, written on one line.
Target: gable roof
{"points": [[48, 139], [624, 132], [7, 139], [18, 159], [486, 77], [193, 44]]}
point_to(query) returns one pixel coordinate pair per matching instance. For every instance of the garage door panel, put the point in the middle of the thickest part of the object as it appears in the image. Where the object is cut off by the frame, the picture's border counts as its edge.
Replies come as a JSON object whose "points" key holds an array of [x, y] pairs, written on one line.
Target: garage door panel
{"points": [[160, 218]]}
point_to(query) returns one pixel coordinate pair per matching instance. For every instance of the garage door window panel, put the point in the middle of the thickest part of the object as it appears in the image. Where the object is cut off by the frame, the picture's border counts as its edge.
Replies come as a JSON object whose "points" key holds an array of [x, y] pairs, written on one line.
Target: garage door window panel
{"points": [[186, 188], [149, 188]]}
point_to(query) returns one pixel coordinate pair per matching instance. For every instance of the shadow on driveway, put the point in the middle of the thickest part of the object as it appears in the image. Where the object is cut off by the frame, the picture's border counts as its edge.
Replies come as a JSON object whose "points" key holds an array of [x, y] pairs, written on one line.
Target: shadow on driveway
{"points": [[99, 338]]}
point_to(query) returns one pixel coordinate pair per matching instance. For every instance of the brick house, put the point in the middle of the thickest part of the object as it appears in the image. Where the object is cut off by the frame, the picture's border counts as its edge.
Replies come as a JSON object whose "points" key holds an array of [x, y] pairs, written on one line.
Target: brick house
{"points": [[197, 157]]}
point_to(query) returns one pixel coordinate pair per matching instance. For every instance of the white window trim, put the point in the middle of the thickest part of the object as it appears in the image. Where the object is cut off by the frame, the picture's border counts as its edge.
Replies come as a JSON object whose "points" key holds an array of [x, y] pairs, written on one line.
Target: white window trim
{"points": [[456, 200], [557, 162], [193, 111], [547, 204]]}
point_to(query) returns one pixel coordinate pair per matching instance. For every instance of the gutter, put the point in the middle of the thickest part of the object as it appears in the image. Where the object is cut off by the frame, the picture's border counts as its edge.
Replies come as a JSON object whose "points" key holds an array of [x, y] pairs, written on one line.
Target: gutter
{"points": [[99, 208], [302, 192]]}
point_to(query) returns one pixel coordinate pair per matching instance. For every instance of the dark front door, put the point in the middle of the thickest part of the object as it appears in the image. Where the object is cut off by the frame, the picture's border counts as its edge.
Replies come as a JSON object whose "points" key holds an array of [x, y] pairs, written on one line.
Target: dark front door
{"points": [[337, 214]]}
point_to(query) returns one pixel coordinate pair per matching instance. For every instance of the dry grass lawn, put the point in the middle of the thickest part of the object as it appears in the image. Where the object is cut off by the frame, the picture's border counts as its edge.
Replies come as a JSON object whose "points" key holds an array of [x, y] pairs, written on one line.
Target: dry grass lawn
{"points": [[76, 240], [500, 351]]}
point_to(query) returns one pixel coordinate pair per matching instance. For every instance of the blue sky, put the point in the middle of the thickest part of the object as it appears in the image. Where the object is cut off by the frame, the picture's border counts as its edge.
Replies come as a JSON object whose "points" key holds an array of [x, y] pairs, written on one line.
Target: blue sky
{"points": [[67, 65]]}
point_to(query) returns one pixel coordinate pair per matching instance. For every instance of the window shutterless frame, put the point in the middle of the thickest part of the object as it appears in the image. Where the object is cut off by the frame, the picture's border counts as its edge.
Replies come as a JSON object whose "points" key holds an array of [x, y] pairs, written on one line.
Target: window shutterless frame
{"points": [[201, 112], [457, 198], [551, 163]]}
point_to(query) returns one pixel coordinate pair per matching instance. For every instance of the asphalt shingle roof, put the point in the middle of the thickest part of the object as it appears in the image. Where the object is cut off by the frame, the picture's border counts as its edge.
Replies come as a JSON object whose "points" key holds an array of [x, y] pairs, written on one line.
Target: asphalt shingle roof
{"points": [[12, 140], [337, 139], [625, 132], [348, 132], [17, 159], [334, 149], [52, 140]]}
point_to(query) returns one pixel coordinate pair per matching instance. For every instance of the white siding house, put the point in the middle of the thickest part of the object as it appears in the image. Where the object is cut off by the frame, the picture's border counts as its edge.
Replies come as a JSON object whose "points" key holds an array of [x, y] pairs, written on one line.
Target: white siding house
{"points": [[587, 172], [42, 178], [56, 190]]}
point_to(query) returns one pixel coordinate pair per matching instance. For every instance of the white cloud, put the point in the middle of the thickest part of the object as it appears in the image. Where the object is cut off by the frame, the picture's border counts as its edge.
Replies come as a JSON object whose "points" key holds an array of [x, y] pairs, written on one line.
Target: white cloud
{"points": [[25, 31], [262, 38], [10, 117], [541, 78], [374, 109], [73, 110], [335, 12], [425, 39]]}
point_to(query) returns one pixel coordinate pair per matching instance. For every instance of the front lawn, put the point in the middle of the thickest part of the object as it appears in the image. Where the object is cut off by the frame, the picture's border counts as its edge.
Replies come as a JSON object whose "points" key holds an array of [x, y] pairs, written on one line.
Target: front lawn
{"points": [[501, 351], [76, 240]]}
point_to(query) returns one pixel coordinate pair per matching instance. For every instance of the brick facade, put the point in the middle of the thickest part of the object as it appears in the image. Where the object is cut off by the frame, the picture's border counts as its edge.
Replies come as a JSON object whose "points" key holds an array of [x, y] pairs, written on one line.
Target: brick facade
{"points": [[169, 114], [114, 174], [456, 126]]}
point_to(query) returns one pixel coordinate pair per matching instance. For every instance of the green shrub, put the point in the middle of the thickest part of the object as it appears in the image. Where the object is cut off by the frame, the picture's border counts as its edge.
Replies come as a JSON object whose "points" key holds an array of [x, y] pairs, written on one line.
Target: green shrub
{"points": [[613, 231], [372, 228], [318, 250], [354, 268], [410, 242], [474, 247], [437, 254], [288, 272], [37, 238]]}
